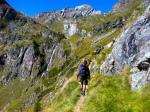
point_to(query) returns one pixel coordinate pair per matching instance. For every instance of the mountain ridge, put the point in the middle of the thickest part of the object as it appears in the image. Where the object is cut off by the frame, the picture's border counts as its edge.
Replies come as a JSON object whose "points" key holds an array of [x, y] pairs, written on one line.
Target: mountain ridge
{"points": [[39, 60]]}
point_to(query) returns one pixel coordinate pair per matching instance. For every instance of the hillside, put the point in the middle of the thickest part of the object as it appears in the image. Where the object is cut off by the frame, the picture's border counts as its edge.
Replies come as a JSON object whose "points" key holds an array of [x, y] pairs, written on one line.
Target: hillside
{"points": [[39, 57]]}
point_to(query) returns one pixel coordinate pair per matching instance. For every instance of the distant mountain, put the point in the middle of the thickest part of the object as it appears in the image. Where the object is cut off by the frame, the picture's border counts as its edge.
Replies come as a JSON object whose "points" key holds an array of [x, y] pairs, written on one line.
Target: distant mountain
{"points": [[68, 17], [83, 10], [40, 55]]}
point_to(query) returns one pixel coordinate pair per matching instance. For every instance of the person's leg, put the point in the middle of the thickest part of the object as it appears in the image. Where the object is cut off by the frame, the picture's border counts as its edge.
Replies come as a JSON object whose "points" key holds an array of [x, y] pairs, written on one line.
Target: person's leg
{"points": [[84, 89], [85, 85], [81, 89], [82, 86]]}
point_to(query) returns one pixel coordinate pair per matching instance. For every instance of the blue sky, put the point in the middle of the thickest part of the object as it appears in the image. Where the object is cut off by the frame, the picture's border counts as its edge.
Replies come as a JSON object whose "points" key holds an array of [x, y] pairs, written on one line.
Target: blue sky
{"points": [[33, 7]]}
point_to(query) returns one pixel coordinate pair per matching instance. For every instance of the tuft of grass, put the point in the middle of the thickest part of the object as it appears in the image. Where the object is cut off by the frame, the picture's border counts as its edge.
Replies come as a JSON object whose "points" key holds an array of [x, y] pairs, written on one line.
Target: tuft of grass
{"points": [[84, 48], [113, 94], [67, 47], [103, 55], [12, 91], [109, 39], [74, 39], [57, 26], [66, 100]]}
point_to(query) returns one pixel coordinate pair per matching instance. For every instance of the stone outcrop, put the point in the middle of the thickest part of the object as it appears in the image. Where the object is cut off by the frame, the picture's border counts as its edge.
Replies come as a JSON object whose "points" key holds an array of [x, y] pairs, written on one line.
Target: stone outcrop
{"points": [[133, 49], [21, 55]]}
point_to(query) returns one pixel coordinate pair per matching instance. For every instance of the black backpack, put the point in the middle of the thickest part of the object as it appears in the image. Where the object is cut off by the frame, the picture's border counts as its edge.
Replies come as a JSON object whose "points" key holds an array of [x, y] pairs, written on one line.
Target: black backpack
{"points": [[82, 70]]}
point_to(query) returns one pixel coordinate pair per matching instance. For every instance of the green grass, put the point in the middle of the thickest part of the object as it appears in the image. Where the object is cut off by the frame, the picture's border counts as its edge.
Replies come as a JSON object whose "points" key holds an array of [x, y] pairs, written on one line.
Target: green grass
{"points": [[16, 93], [12, 91], [84, 48], [113, 94], [51, 79], [103, 55], [66, 100], [74, 39], [57, 26], [88, 23], [66, 47], [109, 39]]}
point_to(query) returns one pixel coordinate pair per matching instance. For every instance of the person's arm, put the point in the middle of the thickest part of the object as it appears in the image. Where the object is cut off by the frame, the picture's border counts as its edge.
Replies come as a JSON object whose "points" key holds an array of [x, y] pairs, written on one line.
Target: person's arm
{"points": [[78, 70], [89, 76]]}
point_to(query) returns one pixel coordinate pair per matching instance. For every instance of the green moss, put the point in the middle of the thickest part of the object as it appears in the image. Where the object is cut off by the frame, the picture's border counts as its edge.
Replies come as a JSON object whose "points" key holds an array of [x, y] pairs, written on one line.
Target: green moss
{"points": [[21, 44], [37, 107], [15, 106]]}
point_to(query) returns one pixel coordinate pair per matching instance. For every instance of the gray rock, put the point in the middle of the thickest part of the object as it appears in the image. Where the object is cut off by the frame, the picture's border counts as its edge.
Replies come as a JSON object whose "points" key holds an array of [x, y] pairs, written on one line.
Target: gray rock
{"points": [[131, 49], [26, 66]]}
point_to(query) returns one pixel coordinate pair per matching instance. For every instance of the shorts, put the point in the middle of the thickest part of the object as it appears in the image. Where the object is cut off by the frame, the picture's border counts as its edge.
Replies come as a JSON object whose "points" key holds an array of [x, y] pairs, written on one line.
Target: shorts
{"points": [[84, 80]]}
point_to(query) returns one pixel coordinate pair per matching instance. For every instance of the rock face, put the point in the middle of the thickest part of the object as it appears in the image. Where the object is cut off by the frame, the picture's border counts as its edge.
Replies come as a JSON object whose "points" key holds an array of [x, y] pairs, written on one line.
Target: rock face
{"points": [[70, 27], [7, 12], [68, 17], [133, 49], [27, 48], [83, 10]]}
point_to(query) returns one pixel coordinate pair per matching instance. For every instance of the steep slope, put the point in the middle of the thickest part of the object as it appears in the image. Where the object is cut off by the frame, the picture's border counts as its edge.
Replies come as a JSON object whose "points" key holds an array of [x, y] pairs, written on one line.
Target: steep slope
{"points": [[109, 93], [28, 51], [82, 20], [132, 49], [39, 57]]}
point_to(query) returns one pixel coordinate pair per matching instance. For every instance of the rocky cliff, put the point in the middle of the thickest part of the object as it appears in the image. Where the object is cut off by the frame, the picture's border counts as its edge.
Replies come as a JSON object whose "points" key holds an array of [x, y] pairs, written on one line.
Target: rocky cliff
{"points": [[27, 48], [132, 49], [66, 19], [39, 55]]}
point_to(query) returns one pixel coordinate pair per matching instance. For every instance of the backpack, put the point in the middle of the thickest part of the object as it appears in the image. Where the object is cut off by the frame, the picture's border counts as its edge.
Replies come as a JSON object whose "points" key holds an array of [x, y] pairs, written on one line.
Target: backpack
{"points": [[82, 70]]}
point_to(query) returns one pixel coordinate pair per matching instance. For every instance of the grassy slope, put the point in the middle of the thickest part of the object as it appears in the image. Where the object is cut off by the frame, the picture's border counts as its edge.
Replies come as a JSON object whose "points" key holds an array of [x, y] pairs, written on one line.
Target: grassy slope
{"points": [[105, 93], [113, 94], [66, 100]]}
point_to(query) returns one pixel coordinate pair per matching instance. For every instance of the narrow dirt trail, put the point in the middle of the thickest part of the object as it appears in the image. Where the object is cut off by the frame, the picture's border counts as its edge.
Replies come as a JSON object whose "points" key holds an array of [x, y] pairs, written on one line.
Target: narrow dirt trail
{"points": [[79, 104]]}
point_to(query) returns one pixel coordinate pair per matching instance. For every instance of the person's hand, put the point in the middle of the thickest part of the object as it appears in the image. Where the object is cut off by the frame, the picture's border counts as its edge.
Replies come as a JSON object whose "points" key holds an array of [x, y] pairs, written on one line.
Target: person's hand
{"points": [[77, 76]]}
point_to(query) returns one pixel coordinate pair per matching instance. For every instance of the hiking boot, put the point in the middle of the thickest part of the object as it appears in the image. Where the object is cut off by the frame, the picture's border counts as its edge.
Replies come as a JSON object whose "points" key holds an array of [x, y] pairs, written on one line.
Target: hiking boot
{"points": [[83, 93]]}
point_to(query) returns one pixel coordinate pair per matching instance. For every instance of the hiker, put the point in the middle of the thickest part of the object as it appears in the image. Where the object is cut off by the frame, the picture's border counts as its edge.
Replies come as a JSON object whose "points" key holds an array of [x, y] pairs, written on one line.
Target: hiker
{"points": [[84, 76]]}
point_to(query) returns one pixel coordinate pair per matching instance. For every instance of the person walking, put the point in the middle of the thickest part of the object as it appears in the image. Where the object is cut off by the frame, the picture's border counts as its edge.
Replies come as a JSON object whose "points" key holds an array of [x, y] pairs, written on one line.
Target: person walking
{"points": [[84, 76]]}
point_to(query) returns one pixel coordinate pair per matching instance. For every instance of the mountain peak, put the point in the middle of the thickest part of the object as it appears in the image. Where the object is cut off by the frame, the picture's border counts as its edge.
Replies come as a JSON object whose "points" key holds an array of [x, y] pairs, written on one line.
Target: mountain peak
{"points": [[83, 7], [78, 11]]}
